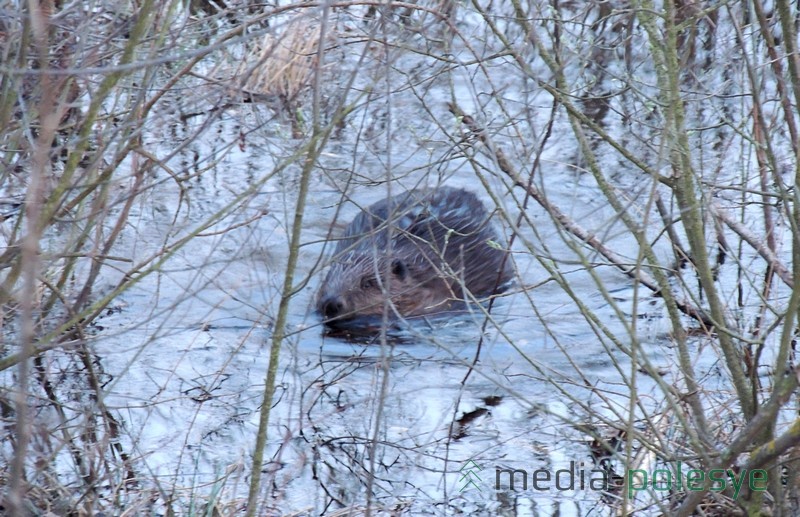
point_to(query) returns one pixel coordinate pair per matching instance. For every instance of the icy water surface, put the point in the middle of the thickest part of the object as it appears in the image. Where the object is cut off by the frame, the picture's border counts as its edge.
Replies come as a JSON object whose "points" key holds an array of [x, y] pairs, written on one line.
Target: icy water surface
{"points": [[188, 381], [426, 420]]}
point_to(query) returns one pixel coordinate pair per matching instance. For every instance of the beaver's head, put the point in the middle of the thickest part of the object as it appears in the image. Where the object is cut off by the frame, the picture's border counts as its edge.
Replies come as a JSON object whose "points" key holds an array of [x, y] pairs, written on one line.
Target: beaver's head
{"points": [[357, 285]]}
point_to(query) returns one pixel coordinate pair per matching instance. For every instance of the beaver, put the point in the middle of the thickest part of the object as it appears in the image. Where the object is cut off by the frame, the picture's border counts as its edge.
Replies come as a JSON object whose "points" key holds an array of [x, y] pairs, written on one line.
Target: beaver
{"points": [[420, 249]]}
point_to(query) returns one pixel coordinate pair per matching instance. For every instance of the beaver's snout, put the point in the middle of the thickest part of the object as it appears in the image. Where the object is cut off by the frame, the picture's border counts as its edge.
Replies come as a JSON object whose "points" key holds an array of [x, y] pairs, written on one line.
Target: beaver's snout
{"points": [[332, 307]]}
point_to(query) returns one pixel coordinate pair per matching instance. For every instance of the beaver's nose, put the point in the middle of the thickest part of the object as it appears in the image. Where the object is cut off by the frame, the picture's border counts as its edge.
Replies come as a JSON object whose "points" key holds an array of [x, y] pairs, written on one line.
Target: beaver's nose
{"points": [[332, 307]]}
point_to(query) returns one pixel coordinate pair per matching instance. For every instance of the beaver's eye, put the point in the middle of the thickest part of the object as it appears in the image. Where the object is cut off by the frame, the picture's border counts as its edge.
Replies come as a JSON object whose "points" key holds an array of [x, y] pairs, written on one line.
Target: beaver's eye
{"points": [[367, 283], [399, 269]]}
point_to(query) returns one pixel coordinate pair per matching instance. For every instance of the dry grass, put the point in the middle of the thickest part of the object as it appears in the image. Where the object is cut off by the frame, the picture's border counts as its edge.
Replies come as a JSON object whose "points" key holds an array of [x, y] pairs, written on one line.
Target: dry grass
{"points": [[282, 65]]}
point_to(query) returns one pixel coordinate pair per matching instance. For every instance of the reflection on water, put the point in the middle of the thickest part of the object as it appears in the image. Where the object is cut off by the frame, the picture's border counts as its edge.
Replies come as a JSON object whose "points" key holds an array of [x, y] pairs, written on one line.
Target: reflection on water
{"points": [[189, 351]]}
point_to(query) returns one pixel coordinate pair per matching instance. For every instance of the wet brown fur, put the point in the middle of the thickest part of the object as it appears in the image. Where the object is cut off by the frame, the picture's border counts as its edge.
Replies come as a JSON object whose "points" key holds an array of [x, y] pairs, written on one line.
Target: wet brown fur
{"points": [[415, 250]]}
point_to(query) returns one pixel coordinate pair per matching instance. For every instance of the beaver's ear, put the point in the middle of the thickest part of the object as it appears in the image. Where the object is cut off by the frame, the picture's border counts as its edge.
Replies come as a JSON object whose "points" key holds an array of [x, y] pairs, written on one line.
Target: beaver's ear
{"points": [[399, 269]]}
